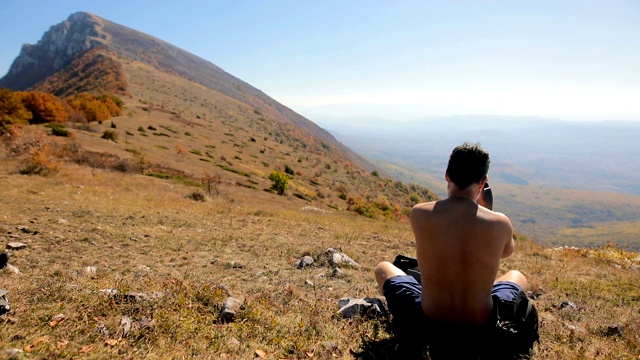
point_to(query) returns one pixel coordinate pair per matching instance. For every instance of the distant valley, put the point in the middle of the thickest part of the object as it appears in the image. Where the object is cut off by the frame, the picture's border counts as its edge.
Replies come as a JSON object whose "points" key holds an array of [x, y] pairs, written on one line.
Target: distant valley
{"points": [[560, 182]]}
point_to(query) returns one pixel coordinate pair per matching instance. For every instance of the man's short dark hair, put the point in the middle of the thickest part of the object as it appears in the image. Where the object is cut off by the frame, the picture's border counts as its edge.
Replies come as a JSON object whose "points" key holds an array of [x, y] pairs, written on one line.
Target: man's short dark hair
{"points": [[468, 164]]}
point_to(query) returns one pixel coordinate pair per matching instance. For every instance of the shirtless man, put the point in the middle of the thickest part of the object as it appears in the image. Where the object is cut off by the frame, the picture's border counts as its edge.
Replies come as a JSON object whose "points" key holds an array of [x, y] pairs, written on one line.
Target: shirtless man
{"points": [[459, 244]]}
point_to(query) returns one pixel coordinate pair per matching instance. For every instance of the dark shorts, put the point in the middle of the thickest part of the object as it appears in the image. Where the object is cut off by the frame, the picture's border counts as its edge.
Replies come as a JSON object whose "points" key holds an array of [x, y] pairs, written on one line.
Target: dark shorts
{"points": [[403, 294]]}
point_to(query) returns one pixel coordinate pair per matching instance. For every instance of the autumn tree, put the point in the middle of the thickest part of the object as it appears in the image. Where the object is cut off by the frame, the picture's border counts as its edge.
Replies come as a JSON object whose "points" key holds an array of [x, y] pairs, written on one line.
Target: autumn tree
{"points": [[12, 111], [96, 108], [45, 107]]}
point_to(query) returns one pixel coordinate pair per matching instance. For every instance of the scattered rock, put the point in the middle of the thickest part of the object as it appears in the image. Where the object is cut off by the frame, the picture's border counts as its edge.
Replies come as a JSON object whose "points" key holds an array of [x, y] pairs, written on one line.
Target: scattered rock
{"points": [[13, 269], [235, 265], [568, 305], [337, 258], [139, 297], [305, 261], [309, 283], [108, 291], [260, 353], [143, 269], [26, 230], [233, 343], [535, 293], [370, 307], [125, 326], [4, 303], [614, 330], [338, 273], [102, 329], [62, 221], [314, 209], [12, 353], [16, 246], [229, 310], [91, 271]]}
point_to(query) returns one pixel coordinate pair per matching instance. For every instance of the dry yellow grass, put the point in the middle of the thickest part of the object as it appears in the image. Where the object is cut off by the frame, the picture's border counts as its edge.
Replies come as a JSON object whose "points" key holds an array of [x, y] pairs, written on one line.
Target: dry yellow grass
{"points": [[248, 242]]}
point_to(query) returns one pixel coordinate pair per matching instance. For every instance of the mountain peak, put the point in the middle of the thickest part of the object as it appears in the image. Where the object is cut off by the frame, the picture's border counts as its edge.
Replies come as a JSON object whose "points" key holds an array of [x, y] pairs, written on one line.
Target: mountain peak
{"points": [[57, 48]]}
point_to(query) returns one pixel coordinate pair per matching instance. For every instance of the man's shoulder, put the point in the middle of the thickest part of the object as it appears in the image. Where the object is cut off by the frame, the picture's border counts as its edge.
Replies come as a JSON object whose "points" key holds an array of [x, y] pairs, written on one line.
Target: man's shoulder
{"points": [[423, 208]]}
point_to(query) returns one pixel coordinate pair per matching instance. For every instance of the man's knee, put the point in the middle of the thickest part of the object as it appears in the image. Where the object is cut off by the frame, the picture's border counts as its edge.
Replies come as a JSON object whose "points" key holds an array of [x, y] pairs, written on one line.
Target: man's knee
{"points": [[515, 276], [386, 270]]}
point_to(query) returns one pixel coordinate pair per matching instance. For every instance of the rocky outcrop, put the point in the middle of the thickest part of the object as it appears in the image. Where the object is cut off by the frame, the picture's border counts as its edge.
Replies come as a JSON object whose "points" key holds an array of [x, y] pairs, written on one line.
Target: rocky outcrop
{"points": [[57, 48]]}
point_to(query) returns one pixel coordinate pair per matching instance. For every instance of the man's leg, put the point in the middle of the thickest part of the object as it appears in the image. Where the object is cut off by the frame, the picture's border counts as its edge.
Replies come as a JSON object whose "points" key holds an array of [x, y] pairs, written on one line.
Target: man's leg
{"points": [[386, 270], [514, 276]]}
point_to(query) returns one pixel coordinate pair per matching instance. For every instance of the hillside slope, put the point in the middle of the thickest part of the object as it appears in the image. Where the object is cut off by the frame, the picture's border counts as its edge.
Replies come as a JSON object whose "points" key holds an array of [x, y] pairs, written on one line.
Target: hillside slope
{"points": [[185, 117], [106, 249], [81, 32]]}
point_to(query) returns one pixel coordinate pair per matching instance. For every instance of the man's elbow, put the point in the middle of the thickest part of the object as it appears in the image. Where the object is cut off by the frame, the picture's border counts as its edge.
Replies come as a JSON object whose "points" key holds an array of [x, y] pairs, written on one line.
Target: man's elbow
{"points": [[509, 249]]}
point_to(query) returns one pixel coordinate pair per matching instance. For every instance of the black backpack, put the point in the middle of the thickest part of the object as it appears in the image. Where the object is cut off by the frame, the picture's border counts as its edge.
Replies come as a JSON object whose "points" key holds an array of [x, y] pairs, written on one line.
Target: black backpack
{"points": [[516, 328]]}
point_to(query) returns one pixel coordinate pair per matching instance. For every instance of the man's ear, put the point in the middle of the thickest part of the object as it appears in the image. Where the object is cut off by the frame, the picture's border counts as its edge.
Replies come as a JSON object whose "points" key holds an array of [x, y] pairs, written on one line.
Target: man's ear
{"points": [[446, 176]]}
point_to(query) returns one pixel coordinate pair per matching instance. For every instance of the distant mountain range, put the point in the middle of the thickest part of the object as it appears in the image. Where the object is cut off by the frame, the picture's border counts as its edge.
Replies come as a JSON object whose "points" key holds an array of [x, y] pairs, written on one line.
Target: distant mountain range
{"points": [[600, 156]]}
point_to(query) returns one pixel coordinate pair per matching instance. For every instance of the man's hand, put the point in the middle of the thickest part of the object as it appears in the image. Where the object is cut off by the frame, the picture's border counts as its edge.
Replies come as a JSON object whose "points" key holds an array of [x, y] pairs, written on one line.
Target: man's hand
{"points": [[486, 197]]}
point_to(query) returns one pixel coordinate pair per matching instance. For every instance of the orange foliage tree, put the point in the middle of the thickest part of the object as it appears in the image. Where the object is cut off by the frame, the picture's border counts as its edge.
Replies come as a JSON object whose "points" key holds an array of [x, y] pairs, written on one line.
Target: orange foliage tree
{"points": [[12, 111], [96, 108], [45, 108]]}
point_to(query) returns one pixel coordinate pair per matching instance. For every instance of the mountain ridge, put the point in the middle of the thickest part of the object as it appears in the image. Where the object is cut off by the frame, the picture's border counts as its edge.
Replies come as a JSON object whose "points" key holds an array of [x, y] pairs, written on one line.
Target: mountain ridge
{"points": [[84, 31]]}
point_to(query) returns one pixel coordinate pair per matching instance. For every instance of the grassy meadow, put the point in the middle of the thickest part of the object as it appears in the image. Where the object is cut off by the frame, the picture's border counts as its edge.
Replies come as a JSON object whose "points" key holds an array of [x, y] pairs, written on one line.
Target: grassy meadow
{"points": [[145, 235]]}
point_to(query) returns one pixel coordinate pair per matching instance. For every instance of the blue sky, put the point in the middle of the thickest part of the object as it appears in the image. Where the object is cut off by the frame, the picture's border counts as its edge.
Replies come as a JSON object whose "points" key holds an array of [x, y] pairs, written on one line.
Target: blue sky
{"points": [[574, 60]]}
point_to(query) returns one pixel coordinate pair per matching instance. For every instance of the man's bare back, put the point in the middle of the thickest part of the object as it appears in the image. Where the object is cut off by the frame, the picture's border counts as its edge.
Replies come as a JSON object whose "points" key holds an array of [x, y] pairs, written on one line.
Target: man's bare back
{"points": [[459, 245]]}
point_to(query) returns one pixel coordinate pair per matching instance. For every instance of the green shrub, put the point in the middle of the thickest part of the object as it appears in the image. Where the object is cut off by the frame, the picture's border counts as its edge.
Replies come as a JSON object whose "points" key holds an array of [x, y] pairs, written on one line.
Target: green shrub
{"points": [[288, 170], [110, 135], [280, 181], [196, 196], [58, 130]]}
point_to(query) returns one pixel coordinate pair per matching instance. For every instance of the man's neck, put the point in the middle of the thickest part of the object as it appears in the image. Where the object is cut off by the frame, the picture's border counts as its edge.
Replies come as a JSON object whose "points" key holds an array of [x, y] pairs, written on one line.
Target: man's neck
{"points": [[470, 192]]}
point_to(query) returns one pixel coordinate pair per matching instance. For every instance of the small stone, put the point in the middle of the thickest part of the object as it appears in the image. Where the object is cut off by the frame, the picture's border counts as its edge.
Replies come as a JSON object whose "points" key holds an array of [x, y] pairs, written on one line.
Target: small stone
{"points": [[143, 269], [535, 293], [125, 326], [309, 283], [371, 307], [25, 229], [12, 353], [16, 246], [4, 303], [235, 265], [233, 343], [13, 269], [101, 328], [568, 305], [108, 291], [91, 271], [614, 330], [305, 261], [229, 310], [337, 258], [338, 273], [62, 221]]}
